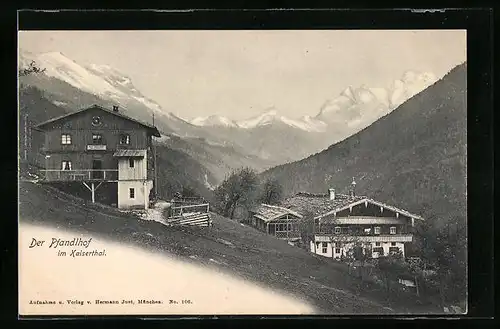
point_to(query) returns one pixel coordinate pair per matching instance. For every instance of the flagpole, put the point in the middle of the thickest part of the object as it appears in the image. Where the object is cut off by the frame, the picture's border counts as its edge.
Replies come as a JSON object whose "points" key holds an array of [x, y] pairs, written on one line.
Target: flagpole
{"points": [[156, 169]]}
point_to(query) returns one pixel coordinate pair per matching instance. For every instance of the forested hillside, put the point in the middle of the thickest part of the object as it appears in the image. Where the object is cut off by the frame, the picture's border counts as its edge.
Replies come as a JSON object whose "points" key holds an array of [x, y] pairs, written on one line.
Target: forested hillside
{"points": [[414, 157]]}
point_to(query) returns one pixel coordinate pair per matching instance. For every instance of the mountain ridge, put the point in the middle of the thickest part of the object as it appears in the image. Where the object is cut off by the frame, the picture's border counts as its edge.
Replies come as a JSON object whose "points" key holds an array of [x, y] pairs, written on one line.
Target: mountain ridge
{"points": [[269, 138], [414, 157]]}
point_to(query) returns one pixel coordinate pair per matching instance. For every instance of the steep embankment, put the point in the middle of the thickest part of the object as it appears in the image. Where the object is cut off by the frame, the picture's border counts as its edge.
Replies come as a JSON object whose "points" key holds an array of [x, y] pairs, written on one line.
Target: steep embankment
{"points": [[228, 246], [414, 157]]}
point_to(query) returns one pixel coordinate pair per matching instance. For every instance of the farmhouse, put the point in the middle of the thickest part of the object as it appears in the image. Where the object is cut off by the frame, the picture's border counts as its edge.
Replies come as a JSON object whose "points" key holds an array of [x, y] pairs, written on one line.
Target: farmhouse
{"points": [[103, 152], [280, 222], [345, 222]]}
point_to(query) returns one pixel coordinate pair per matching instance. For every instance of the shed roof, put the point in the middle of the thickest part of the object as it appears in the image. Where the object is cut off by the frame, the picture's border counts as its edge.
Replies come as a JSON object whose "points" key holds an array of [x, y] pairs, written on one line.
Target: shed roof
{"points": [[130, 153], [152, 128], [268, 212]]}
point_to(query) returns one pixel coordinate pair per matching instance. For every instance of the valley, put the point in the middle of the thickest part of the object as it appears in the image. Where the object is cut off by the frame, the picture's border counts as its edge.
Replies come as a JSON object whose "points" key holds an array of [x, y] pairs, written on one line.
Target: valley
{"points": [[218, 144]]}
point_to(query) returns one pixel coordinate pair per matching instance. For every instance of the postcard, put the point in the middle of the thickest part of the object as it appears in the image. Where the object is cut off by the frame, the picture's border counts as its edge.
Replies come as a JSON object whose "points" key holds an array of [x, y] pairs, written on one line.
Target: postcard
{"points": [[242, 172]]}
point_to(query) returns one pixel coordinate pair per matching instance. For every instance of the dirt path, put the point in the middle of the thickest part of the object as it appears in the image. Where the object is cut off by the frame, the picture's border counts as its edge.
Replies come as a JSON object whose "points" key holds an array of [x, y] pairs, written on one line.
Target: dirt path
{"points": [[156, 213]]}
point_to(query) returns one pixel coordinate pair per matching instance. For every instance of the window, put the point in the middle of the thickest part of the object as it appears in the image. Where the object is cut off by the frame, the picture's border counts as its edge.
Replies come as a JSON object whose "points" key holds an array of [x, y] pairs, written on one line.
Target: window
{"points": [[124, 139], [393, 250], [131, 163], [337, 230], [377, 230], [393, 229], [131, 192], [66, 165], [96, 121], [65, 139], [324, 246], [97, 139], [380, 250], [377, 244], [393, 244], [367, 230], [337, 250]]}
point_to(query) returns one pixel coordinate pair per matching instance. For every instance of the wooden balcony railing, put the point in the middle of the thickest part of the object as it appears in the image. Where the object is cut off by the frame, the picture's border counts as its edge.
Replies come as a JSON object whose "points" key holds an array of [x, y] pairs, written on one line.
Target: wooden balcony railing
{"points": [[54, 175], [365, 238]]}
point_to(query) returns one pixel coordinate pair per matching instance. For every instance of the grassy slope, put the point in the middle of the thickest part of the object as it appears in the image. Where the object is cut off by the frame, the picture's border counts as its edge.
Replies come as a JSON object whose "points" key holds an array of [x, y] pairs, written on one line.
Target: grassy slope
{"points": [[414, 157], [228, 245]]}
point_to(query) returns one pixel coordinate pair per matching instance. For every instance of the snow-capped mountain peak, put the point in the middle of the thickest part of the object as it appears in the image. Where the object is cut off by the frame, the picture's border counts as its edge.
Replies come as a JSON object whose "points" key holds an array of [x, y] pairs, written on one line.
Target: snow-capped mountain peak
{"points": [[271, 116], [410, 84], [265, 118], [98, 79], [213, 120]]}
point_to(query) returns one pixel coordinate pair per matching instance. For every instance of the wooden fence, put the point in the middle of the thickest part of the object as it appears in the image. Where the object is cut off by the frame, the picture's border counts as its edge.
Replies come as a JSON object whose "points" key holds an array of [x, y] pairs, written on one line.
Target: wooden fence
{"points": [[192, 215]]}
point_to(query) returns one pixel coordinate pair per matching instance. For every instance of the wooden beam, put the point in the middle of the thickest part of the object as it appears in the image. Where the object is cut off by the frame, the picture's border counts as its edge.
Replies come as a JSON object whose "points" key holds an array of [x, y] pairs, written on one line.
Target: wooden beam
{"points": [[146, 196], [87, 186]]}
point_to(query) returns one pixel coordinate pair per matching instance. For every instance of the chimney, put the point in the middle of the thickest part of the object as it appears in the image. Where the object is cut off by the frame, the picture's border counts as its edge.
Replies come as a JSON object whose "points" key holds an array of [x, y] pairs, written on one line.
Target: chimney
{"points": [[115, 108], [332, 193], [353, 187]]}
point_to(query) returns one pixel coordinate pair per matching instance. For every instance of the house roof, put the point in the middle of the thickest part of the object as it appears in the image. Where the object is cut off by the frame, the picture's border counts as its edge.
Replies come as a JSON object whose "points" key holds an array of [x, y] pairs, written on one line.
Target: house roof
{"points": [[317, 204], [377, 203], [130, 153], [268, 212], [320, 205], [119, 114]]}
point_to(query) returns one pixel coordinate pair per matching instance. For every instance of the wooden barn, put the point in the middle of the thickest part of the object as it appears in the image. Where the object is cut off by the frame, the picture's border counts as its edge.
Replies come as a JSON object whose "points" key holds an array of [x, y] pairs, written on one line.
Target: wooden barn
{"points": [[102, 151], [277, 221]]}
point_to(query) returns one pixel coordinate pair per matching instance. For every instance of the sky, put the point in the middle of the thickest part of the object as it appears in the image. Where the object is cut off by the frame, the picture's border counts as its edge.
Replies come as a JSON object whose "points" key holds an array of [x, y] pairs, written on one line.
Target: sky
{"points": [[239, 74]]}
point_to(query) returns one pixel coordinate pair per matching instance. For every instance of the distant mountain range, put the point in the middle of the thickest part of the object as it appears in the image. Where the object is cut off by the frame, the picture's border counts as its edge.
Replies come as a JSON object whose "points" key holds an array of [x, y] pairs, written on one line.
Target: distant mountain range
{"points": [[414, 157], [354, 108], [216, 142], [266, 118]]}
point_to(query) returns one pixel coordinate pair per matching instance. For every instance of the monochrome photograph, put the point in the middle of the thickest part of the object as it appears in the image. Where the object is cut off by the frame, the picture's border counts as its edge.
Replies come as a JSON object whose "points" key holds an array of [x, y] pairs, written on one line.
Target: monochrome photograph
{"points": [[242, 172]]}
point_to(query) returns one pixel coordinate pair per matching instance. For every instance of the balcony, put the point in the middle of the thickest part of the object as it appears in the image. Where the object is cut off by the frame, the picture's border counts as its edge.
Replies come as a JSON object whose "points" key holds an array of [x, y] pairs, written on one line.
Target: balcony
{"points": [[365, 238], [54, 175], [363, 220], [96, 147]]}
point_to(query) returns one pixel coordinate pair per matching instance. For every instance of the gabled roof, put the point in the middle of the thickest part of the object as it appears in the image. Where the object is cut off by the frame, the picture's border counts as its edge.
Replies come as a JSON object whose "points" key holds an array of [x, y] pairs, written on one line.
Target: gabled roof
{"points": [[268, 212], [320, 205], [317, 204], [376, 203], [95, 106]]}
